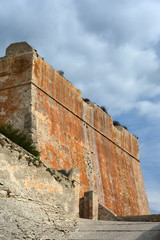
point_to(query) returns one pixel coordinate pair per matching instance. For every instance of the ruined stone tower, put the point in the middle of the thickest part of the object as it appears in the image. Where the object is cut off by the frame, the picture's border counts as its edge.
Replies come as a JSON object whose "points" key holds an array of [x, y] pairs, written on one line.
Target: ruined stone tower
{"points": [[70, 132]]}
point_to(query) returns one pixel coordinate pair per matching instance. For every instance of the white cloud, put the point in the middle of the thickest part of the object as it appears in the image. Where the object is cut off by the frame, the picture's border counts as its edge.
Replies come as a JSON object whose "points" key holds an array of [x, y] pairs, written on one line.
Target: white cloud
{"points": [[107, 48], [121, 21], [153, 197], [150, 109]]}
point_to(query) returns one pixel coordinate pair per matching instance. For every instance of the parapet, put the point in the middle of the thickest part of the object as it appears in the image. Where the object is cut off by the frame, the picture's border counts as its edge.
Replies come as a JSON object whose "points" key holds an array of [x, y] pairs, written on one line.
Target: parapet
{"points": [[18, 49]]}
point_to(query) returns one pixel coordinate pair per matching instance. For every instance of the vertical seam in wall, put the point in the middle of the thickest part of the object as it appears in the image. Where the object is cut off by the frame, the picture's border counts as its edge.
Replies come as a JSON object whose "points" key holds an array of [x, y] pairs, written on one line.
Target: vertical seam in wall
{"points": [[96, 162], [86, 145]]}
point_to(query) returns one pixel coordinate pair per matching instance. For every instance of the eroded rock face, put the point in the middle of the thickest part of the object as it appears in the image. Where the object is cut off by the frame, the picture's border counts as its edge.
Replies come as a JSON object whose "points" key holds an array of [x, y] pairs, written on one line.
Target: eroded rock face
{"points": [[34, 204], [71, 133]]}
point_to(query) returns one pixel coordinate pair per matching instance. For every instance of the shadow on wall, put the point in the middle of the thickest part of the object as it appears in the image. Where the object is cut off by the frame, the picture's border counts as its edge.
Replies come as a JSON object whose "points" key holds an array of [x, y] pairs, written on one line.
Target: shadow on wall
{"points": [[153, 233]]}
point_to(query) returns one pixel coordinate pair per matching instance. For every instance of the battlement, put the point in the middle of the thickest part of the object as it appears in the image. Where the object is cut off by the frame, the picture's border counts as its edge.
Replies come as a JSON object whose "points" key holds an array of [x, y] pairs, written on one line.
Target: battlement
{"points": [[70, 132]]}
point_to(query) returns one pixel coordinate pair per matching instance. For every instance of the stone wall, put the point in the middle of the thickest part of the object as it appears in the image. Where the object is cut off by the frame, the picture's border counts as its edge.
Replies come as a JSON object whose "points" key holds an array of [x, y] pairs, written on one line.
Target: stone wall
{"points": [[142, 218], [36, 202], [70, 132], [105, 214], [15, 89]]}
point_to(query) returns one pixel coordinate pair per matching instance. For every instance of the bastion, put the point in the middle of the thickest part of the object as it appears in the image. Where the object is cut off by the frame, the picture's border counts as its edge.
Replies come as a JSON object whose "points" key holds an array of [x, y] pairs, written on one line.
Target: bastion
{"points": [[71, 133]]}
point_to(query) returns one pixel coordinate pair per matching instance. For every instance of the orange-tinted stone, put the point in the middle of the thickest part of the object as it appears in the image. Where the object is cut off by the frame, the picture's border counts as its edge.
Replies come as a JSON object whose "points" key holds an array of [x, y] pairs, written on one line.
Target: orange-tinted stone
{"points": [[72, 133]]}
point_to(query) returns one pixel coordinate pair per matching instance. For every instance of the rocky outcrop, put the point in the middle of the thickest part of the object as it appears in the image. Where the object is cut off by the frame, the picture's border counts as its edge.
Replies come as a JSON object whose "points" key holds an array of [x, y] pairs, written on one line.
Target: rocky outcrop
{"points": [[36, 202]]}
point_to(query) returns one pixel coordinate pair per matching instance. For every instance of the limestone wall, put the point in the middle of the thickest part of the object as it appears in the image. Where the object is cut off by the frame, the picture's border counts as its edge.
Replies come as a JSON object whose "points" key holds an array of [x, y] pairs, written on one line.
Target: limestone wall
{"points": [[71, 133], [141, 218], [15, 89], [35, 202]]}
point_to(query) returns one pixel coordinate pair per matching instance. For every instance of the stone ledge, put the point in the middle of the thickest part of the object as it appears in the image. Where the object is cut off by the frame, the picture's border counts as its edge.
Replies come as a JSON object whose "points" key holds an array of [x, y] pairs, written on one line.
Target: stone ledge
{"points": [[140, 218]]}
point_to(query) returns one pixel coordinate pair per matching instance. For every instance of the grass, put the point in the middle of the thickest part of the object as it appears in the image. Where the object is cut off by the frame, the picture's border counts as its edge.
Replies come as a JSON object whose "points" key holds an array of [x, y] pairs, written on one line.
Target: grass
{"points": [[20, 138]]}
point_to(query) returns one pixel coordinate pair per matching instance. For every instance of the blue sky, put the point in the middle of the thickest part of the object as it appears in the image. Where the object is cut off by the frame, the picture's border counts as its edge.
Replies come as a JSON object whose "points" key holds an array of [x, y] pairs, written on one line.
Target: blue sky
{"points": [[109, 49]]}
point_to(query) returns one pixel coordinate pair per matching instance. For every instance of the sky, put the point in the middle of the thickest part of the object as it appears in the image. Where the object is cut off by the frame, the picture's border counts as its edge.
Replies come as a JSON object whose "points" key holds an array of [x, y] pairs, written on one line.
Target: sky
{"points": [[110, 50]]}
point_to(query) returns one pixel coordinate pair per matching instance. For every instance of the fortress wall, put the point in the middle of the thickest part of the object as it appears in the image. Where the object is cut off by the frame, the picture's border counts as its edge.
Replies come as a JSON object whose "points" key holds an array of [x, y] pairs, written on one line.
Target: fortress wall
{"points": [[15, 90], [72, 133], [62, 91]]}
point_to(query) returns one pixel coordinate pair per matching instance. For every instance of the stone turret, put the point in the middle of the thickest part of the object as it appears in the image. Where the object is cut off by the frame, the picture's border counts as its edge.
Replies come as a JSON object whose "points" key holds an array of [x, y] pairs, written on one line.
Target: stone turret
{"points": [[16, 49]]}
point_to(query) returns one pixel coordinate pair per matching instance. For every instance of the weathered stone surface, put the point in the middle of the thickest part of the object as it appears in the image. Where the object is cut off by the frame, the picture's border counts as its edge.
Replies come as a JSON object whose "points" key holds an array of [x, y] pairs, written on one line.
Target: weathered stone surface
{"points": [[141, 218], [18, 49], [90, 205], [71, 133], [105, 214], [108, 230], [35, 202]]}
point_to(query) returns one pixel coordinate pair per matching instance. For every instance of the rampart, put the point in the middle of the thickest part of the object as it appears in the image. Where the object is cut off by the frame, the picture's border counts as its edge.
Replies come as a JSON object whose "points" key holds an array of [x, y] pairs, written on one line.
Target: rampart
{"points": [[69, 132]]}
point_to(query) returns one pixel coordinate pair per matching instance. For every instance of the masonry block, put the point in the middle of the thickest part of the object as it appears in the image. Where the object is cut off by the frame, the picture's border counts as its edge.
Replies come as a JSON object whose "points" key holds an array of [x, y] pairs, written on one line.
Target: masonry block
{"points": [[91, 205]]}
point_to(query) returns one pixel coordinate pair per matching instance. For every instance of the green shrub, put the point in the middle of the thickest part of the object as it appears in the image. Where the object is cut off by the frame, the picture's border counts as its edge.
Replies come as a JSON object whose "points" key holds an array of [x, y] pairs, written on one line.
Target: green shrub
{"points": [[86, 100], [124, 127], [20, 138], [116, 123], [104, 109], [61, 73]]}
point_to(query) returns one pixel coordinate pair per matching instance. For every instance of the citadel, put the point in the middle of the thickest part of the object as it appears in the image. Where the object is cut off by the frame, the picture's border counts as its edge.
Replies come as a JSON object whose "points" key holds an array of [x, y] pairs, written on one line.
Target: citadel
{"points": [[89, 168]]}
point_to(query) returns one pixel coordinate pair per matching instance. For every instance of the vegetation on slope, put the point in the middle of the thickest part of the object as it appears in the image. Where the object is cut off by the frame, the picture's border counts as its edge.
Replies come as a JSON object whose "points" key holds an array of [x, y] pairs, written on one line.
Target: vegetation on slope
{"points": [[20, 138]]}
